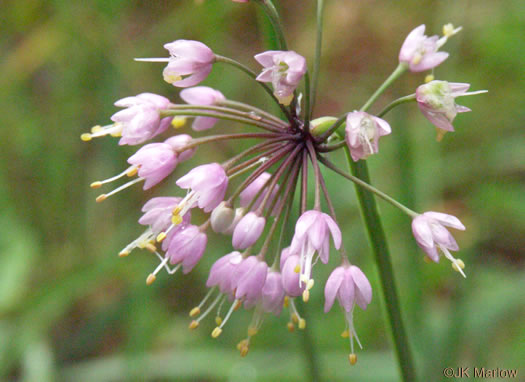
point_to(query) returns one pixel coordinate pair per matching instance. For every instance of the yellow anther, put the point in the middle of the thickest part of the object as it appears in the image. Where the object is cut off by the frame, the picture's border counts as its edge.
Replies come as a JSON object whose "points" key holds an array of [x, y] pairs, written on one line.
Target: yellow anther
{"points": [[427, 260], [96, 184], [295, 318], [352, 358], [116, 134], [440, 134], [285, 100], [123, 253], [242, 344], [171, 78], [306, 295], [252, 331], [448, 30], [161, 236], [302, 323], [132, 171], [218, 320], [216, 332], [96, 129], [310, 284], [86, 137], [195, 311], [297, 268], [238, 304], [286, 302], [417, 58], [176, 210], [150, 247], [176, 219], [428, 78], [101, 198], [244, 351], [291, 327], [345, 334], [151, 279], [458, 263], [178, 122], [194, 325]]}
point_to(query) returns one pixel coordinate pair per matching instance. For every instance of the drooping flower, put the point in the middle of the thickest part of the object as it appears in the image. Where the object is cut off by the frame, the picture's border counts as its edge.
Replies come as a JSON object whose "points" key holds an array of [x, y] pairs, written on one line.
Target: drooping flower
{"points": [[158, 217], [250, 192], [350, 286], [188, 58], [202, 95], [420, 52], [138, 122], [312, 234], [208, 184], [284, 69], [248, 230], [290, 273], [430, 234], [249, 278], [436, 100], [222, 271], [363, 132], [272, 293], [187, 247], [156, 161]]}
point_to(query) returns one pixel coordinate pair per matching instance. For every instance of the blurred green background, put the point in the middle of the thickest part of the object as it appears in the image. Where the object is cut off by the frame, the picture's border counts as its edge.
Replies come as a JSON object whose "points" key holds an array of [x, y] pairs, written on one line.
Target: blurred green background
{"points": [[71, 310]]}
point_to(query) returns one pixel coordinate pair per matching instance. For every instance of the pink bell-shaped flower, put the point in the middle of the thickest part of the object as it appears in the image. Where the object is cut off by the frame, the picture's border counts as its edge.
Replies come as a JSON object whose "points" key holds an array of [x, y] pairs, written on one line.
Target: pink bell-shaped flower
{"points": [[290, 273], [156, 161], [187, 247], [430, 234], [363, 132], [350, 286], [138, 122], [284, 69], [272, 294], [436, 100], [222, 273], [205, 96], [312, 235], [420, 52], [190, 62], [248, 230], [208, 184]]}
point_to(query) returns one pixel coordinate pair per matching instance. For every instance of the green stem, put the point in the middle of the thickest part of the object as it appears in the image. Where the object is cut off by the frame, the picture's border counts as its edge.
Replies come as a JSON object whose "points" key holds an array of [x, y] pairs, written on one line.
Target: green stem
{"points": [[401, 68], [275, 20], [379, 246], [253, 75], [368, 187], [397, 102], [307, 102], [318, 49]]}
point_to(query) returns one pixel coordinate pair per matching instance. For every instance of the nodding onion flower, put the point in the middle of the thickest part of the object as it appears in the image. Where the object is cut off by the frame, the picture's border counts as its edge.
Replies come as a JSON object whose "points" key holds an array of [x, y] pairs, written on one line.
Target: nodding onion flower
{"points": [[255, 210]]}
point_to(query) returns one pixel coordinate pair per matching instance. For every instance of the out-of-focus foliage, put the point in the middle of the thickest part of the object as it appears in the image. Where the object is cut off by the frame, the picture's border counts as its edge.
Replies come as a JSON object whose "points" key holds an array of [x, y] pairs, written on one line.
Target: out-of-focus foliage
{"points": [[71, 310]]}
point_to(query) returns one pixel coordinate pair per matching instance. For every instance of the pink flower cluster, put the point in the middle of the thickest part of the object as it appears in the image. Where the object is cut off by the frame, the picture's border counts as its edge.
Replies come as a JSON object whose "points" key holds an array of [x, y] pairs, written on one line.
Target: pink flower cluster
{"points": [[263, 272]]}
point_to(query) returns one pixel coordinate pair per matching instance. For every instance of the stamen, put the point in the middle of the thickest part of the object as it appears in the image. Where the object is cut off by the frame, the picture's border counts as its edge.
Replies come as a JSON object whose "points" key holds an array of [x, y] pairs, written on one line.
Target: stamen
{"points": [[127, 172], [196, 311], [103, 197], [352, 358], [210, 308], [153, 59], [457, 265], [141, 242], [152, 276], [218, 330]]}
